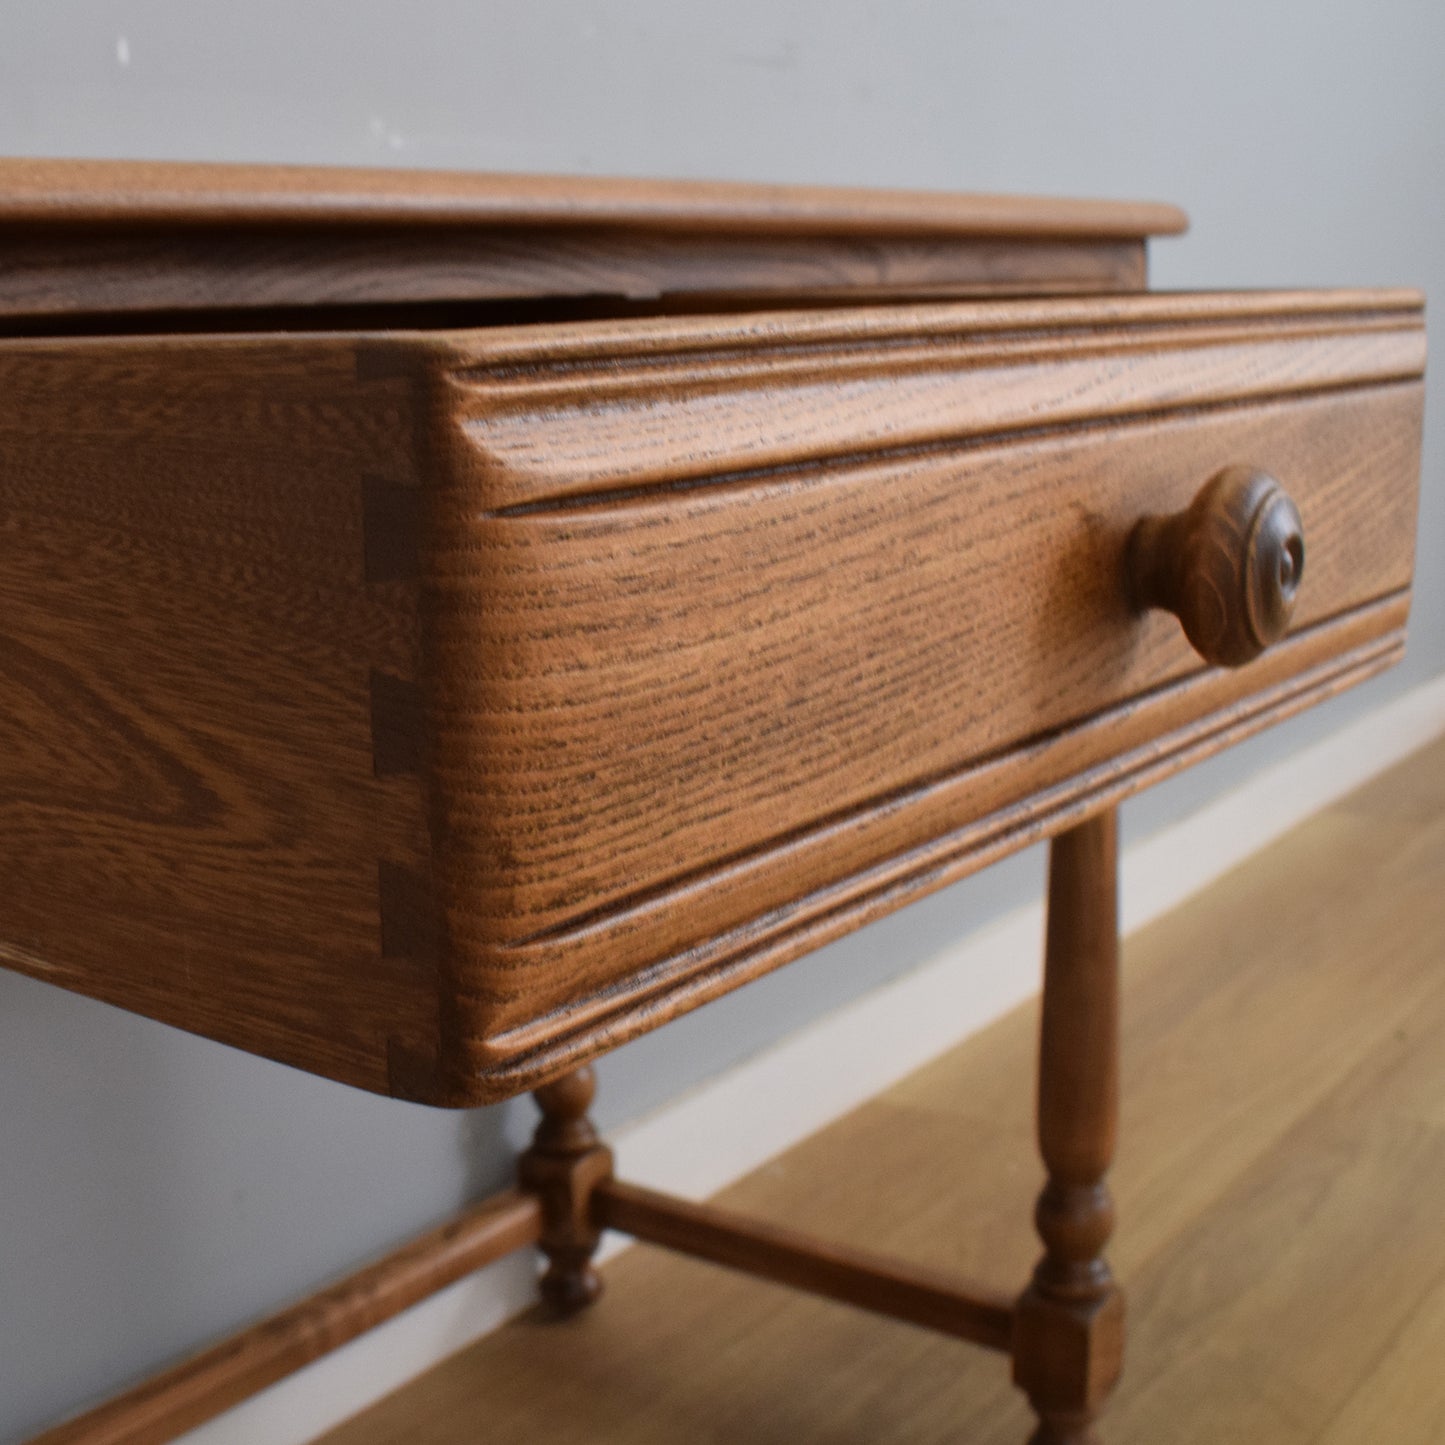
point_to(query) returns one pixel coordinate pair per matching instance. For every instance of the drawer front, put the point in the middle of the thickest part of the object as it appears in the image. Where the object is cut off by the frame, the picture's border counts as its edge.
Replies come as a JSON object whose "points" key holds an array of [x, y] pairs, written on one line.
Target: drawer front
{"points": [[745, 631]]}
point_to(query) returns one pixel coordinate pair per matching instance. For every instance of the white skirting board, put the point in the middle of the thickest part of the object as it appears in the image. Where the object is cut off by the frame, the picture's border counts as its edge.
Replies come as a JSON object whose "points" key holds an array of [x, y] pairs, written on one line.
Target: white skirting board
{"points": [[716, 1133]]}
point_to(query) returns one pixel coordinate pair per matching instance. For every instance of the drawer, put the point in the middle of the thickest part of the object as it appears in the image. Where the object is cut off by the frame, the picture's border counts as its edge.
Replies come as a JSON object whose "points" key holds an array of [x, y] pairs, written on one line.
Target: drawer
{"points": [[437, 709]]}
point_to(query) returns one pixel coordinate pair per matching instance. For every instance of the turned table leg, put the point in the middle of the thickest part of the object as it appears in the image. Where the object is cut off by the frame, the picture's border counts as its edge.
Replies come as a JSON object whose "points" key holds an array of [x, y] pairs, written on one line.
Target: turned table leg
{"points": [[1069, 1323], [563, 1166]]}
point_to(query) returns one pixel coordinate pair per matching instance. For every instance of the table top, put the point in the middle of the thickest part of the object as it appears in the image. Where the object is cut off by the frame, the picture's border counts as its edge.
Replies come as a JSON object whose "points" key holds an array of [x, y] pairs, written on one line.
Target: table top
{"points": [[133, 241], [125, 193]]}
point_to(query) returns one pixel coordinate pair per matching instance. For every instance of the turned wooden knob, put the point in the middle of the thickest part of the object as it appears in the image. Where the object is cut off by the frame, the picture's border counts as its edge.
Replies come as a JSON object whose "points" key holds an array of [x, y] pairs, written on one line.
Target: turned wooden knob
{"points": [[1228, 566]]}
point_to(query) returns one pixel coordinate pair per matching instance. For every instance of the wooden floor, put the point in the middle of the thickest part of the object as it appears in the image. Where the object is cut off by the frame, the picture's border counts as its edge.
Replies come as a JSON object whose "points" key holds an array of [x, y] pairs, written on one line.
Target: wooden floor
{"points": [[1281, 1192]]}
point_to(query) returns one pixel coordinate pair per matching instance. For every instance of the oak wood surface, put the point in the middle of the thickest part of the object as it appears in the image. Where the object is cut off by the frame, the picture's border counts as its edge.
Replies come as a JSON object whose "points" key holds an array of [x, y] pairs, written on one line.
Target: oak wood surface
{"points": [[235, 278], [930, 1298], [1282, 1157], [1068, 1337], [125, 193], [193, 825], [548, 414], [802, 650], [771, 662], [434, 710], [564, 1166], [87, 239], [645, 1001]]}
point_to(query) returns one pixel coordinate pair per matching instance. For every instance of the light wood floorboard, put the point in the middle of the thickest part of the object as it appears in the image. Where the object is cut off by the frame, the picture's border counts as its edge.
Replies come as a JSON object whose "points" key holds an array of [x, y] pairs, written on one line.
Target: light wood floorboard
{"points": [[1281, 1193]]}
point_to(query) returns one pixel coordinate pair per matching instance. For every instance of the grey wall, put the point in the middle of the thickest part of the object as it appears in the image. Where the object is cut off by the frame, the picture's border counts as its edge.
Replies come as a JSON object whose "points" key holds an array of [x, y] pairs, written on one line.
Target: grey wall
{"points": [[170, 1188]]}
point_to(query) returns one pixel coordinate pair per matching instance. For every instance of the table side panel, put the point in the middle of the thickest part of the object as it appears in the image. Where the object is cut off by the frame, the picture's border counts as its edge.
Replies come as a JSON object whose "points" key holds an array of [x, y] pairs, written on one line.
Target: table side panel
{"points": [[196, 639]]}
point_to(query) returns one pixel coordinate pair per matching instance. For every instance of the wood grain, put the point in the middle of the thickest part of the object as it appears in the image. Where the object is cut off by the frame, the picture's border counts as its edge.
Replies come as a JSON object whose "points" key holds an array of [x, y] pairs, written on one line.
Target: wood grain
{"points": [[192, 824], [257, 277], [693, 978], [1281, 1163], [873, 1282], [547, 414], [564, 1167], [1069, 1326], [93, 239], [792, 652], [775, 589], [127, 193], [712, 685]]}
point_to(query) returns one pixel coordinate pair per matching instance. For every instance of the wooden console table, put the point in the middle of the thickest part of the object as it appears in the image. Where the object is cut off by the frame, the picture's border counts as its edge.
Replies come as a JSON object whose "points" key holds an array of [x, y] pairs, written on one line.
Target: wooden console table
{"points": [[454, 624]]}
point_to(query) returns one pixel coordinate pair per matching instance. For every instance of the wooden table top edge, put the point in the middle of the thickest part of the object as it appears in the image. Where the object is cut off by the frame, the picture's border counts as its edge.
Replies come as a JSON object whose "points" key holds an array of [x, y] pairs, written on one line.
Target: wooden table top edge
{"points": [[120, 193]]}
